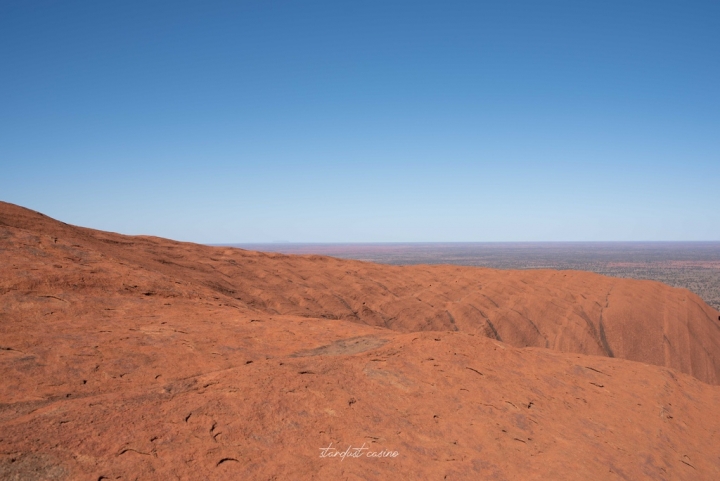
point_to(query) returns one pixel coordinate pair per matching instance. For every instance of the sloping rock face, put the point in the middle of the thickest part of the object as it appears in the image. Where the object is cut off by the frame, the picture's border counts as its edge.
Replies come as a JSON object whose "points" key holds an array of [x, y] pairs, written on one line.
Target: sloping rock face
{"points": [[569, 311], [142, 358]]}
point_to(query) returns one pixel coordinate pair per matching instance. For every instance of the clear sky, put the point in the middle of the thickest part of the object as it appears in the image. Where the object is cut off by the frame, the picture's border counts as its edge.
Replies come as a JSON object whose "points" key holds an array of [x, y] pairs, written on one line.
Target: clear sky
{"points": [[335, 121]]}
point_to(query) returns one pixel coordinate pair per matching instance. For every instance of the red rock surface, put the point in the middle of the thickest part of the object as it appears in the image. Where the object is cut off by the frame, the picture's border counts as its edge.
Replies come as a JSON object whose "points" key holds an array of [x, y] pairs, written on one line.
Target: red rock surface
{"points": [[143, 358]]}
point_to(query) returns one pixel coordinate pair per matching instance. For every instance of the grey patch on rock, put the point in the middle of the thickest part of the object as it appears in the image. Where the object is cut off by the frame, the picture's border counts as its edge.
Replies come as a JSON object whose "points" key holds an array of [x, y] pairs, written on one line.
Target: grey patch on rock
{"points": [[31, 467], [343, 347]]}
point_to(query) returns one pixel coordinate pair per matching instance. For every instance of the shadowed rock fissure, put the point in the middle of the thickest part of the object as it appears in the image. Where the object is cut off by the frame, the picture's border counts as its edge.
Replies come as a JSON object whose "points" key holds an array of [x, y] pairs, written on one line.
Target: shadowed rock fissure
{"points": [[603, 339]]}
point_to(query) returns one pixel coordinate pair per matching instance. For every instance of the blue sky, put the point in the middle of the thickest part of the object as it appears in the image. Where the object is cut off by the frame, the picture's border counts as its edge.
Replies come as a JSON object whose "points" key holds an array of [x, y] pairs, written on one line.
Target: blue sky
{"points": [[257, 121]]}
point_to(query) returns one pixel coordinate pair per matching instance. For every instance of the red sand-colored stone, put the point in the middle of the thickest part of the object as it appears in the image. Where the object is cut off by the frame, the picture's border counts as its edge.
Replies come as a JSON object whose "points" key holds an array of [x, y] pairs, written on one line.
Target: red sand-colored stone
{"points": [[143, 358]]}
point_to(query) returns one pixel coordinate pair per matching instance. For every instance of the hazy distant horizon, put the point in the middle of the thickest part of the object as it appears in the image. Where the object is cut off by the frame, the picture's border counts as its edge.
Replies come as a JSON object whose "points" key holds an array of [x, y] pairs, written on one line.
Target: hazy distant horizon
{"points": [[472, 242], [289, 245], [494, 254]]}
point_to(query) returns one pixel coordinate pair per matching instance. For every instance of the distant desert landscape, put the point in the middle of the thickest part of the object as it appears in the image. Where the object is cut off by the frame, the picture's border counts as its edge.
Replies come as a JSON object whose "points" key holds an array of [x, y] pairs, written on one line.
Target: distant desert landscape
{"points": [[137, 357]]}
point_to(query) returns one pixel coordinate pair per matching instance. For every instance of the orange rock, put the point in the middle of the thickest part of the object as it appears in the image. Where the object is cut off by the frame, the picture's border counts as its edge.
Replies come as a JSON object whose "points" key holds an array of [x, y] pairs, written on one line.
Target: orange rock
{"points": [[140, 357]]}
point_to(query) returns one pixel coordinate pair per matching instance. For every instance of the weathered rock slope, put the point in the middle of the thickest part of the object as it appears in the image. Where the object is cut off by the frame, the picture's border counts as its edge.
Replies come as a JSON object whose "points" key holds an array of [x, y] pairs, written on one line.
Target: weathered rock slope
{"points": [[143, 358], [569, 311]]}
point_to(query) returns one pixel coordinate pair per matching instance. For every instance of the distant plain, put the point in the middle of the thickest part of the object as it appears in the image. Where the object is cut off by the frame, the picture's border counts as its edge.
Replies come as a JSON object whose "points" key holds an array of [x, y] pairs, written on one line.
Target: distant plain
{"points": [[691, 265]]}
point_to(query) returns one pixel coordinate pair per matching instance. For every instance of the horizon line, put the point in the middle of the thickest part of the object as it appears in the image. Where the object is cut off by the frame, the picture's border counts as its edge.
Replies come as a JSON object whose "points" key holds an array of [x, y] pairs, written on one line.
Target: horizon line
{"points": [[281, 243]]}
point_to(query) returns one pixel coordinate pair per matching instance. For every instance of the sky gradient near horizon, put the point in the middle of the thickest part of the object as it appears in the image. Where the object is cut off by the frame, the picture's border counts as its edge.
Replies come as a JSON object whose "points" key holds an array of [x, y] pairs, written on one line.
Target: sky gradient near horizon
{"points": [[378, 121]]}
